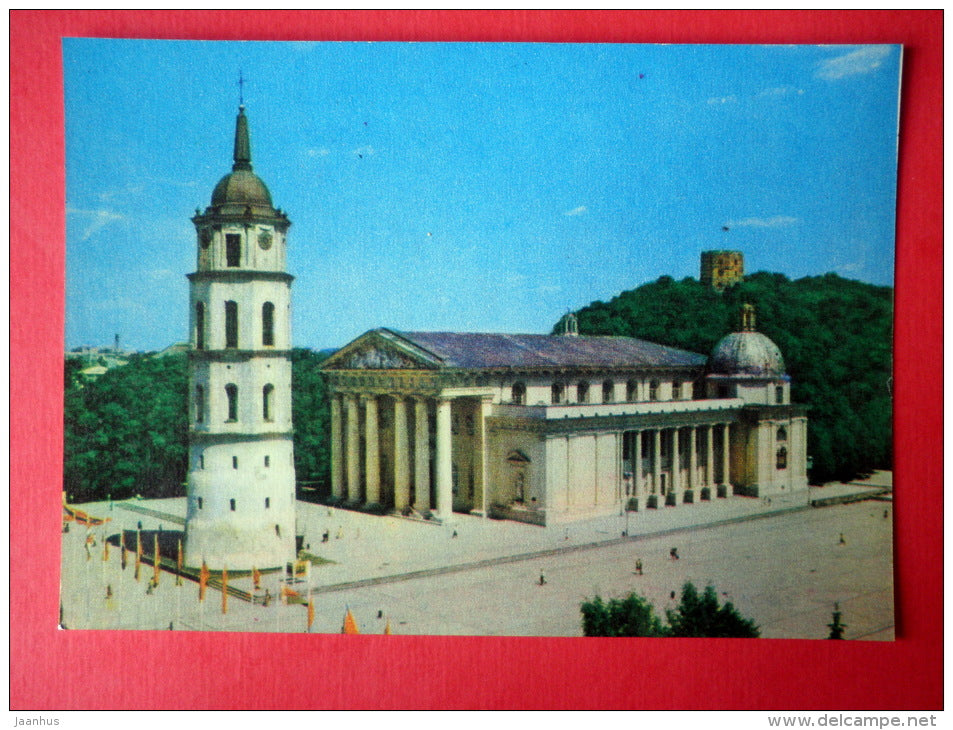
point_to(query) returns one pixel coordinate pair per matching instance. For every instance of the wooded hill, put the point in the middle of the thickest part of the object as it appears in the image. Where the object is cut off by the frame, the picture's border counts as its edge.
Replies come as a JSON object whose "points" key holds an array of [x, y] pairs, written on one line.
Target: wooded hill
{"points": [[835, 335]]}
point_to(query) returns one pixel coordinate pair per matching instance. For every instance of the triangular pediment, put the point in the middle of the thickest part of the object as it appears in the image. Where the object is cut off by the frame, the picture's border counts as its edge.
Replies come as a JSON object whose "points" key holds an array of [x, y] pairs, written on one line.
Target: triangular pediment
{"points": [[381, 350]]}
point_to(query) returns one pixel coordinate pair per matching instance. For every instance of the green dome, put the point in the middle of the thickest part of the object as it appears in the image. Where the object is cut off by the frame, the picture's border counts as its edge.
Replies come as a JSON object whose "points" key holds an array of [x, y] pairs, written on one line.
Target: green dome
{"points": [[241, 186]]}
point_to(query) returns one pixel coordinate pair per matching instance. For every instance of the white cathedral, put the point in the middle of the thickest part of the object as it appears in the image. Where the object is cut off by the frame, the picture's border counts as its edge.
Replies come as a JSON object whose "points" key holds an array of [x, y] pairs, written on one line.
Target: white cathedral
{"points": [[544, 429]]}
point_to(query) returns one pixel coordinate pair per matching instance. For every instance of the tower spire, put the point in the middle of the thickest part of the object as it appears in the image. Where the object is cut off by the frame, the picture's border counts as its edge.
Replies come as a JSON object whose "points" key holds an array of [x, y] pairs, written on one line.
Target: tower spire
{"points": [[242, 155]]}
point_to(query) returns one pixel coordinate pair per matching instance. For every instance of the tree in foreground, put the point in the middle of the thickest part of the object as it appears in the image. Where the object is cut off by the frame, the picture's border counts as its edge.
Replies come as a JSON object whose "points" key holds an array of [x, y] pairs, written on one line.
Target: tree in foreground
{"points": [[629, 616], [836, 627], [701, 615], [697, 615]]}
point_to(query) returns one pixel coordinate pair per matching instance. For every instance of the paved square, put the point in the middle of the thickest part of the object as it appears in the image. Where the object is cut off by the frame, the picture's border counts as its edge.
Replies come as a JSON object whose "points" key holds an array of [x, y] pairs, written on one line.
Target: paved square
{"points": [[780, 564]]}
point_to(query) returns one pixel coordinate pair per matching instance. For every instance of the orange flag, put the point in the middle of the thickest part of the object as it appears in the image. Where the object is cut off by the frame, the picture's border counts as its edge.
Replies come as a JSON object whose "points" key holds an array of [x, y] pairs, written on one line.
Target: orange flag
{"points": [[310, 614], [256, 578], [288, 593], [122, 549], [350, 625], [387, 628], [203, 581], [138, 552], [105, 549], [155, 559], [178, 565], [224, 589]]}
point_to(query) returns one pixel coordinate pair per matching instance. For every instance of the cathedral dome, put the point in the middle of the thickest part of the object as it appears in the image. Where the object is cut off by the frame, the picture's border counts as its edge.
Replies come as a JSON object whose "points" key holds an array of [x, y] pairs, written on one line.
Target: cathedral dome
{"points": [[746, 353], [241, 186]]}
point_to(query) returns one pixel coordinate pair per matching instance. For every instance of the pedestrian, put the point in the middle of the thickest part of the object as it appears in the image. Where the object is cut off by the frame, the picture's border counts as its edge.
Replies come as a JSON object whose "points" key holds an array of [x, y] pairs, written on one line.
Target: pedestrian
{"points": [[542, 578], [638, 567], [672, 595], [267, 598], [885, 514], [454, 534], [170, 626], [149, 589], [109, 591], [139, 526], [325, 536], [380, 614], [842, 540], [673, 553]]}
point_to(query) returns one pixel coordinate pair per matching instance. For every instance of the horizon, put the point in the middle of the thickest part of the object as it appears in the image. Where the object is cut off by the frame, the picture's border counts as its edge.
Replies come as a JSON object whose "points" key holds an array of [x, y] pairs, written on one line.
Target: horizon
{"points": [[471, 187]]}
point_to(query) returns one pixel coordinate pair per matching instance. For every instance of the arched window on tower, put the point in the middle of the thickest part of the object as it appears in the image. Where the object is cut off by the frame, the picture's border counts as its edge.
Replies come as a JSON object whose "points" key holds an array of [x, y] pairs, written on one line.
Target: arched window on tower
{"points": [[557, 393], [677, 390], [199, 326], [519, 394], [266, 406], [782, 433], [608, 391], [268, 324], [231, 324], [231, 391], [233, 249], [199, 404], [779, 394], [782, 458], [653, 390]]}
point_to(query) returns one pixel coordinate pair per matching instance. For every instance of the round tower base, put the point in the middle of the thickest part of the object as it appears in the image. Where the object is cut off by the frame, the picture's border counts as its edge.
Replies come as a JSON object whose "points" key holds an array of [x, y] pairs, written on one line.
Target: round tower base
{"points": [[227, 547]]}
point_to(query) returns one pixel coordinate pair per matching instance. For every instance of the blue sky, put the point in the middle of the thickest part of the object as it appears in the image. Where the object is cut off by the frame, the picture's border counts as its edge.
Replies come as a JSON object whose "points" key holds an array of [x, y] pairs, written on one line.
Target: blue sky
{"points": [[471, 187]]}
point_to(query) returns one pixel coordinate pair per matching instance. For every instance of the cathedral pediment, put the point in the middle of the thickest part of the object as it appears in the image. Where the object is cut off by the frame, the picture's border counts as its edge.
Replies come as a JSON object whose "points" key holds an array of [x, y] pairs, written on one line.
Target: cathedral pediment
{"points": [[381, 350]]}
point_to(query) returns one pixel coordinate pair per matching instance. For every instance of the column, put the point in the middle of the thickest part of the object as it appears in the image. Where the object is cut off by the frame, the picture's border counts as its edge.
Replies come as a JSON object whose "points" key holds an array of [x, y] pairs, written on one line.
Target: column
{"points": [[657, 461], [637, 464], [353, 453], [710, 461], [443, 471], [676, 466], [337, 447], [421, 456], [692, 460], [372, 451], [401, 455], [480, 456], [725, 459]]}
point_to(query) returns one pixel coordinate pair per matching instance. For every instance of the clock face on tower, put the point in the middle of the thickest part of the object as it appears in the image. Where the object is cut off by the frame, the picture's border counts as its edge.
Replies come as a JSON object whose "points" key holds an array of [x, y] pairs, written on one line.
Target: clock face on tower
{"points": [[264, 240]]}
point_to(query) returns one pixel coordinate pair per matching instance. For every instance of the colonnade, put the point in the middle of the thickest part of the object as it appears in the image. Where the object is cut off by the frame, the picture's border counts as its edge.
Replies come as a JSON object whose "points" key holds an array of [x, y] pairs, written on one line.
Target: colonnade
{"points": [[357, 476], [676, 487]]}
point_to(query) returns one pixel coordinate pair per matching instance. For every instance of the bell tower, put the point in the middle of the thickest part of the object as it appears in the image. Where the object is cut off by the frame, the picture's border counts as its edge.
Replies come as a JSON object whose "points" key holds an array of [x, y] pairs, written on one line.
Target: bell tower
{"points": [[241, 477]]}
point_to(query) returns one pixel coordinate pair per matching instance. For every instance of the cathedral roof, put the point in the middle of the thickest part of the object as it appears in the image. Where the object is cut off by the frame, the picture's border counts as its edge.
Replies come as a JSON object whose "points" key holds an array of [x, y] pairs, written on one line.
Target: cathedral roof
{"points": [[482, 350]]}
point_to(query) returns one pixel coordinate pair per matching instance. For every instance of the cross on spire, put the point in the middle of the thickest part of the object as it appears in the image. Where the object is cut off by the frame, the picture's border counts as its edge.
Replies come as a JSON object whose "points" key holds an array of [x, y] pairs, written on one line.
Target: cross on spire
{"points": [[241, 89]]}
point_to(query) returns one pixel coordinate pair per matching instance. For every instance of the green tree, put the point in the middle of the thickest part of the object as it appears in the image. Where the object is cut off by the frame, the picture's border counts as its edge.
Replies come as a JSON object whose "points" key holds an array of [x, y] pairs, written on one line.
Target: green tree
{"points": [[695, 616], [700, 615], [311, 417], [629, 616], [126, 432], [836, 627]]}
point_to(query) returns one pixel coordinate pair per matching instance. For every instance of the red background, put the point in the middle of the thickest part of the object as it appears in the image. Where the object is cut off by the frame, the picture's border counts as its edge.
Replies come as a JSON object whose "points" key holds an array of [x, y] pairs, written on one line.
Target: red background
{"points": [[53, 669]]}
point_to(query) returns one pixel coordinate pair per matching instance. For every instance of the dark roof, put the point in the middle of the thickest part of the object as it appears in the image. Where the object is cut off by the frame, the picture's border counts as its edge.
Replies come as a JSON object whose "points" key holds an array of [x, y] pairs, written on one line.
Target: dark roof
{"points": [[479, 350]]}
